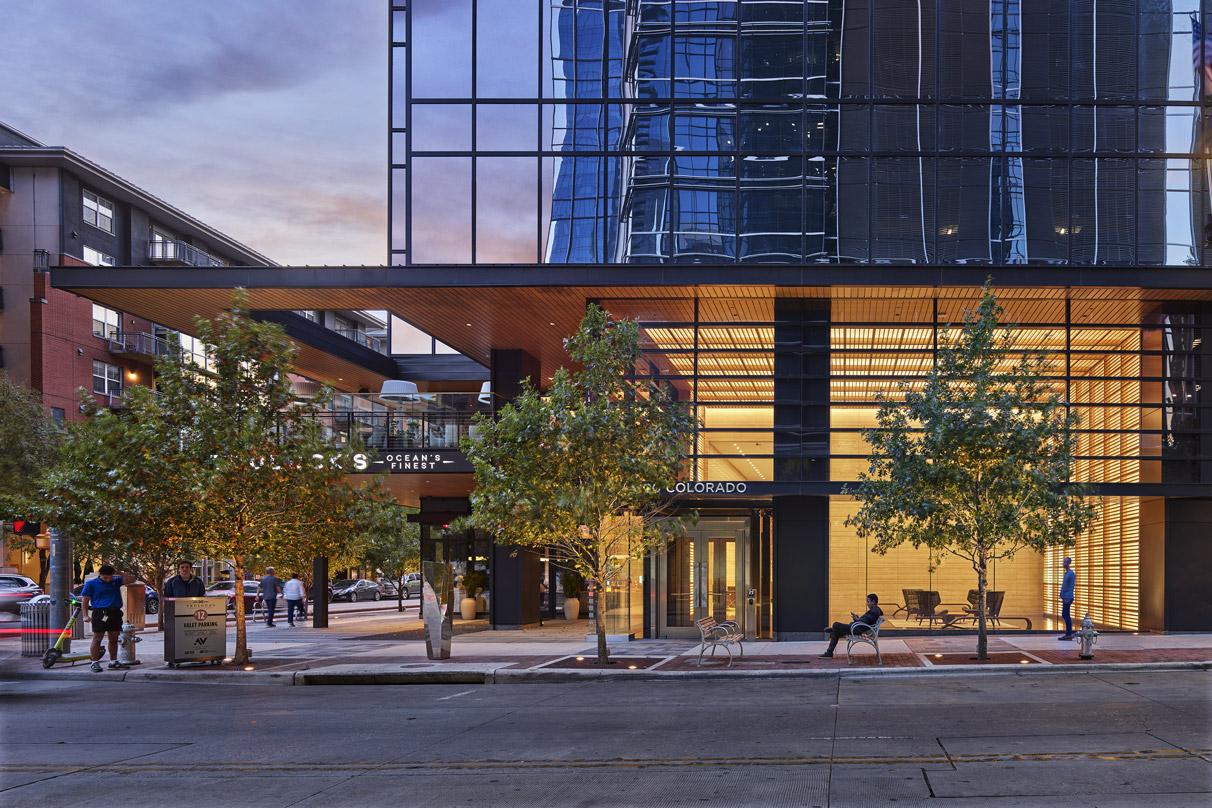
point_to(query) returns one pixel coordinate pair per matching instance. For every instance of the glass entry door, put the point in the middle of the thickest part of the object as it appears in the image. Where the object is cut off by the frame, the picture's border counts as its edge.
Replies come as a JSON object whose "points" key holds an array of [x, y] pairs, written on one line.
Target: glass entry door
{"points": [[704, 574]]}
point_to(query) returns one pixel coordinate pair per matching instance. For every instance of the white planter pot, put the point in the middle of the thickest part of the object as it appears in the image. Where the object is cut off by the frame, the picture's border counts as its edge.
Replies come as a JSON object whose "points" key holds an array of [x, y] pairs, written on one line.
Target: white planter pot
{"points": [[467, 607], [481, 602], [572, 609]]}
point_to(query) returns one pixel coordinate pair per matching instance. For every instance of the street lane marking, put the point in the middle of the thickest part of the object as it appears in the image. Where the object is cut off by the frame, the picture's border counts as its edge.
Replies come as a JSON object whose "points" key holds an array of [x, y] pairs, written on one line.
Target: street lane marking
{"points": [[456, 695], [1170, 753]]}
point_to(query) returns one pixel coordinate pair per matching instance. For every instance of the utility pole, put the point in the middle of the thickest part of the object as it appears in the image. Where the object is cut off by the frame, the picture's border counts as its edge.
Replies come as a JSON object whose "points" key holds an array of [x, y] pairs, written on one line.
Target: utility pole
{"points": [[60, 577]]}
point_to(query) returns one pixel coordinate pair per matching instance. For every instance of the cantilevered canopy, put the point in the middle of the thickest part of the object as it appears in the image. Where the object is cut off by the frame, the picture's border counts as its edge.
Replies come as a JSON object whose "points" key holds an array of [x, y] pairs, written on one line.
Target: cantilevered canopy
{"points": [[478, 308]]}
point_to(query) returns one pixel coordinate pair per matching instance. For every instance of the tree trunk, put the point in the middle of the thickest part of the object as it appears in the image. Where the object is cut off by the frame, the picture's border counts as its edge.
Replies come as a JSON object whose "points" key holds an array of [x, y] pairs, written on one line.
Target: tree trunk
{"points": [[599, 627], [982, 637], [242, 656], [400, 594], [43, 569]]}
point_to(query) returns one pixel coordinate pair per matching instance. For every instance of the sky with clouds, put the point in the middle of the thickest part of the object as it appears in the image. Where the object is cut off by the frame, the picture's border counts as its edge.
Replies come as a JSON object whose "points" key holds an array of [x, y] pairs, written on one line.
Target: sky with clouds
{"points": [[264, 118]]}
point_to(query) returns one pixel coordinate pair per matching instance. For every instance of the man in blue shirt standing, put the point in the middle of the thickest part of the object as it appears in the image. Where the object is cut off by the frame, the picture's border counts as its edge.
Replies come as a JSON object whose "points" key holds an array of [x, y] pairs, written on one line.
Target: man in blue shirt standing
{"points": [[1068, 584], [103, 597]]}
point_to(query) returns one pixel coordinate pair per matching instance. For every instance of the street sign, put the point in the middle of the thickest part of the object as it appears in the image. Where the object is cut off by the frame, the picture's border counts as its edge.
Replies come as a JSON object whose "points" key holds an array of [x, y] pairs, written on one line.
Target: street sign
{"points": [[195, 630]]}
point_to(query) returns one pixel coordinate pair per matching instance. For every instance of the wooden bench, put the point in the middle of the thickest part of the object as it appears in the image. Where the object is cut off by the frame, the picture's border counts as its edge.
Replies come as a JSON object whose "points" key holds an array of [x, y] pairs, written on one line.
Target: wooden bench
{"points": [[861, 632], [723, 634]]}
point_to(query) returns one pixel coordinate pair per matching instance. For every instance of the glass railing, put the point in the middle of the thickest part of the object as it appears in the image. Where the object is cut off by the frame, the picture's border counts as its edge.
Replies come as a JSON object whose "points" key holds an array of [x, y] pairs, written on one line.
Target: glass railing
{"points": [[434, 421], [178, 252], [362, 338], [141, 343]]}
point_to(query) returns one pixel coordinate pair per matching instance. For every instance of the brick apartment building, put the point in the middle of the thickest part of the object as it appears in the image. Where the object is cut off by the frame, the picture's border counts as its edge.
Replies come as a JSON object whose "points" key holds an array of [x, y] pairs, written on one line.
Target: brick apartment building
{"points": [[57, 207]]}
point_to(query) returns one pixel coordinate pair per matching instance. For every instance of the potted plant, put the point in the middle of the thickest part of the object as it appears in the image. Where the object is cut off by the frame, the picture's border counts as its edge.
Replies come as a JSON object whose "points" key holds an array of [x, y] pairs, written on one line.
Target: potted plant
{"points": [[572, 583], [474, 582]]}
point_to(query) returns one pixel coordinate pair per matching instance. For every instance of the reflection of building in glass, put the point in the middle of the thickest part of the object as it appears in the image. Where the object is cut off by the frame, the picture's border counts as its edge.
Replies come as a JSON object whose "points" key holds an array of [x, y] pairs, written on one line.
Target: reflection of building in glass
{"points": [[587, 58], [986, 136]]}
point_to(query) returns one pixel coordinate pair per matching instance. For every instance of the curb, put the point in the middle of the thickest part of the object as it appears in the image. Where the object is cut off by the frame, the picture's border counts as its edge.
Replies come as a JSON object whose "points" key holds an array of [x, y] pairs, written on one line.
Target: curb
{"points": [[505, 676]]}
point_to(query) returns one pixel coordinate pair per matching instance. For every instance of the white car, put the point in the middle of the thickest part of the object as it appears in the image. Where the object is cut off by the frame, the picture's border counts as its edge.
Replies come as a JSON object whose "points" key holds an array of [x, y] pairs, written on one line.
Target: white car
{"points": [[12, 579]]}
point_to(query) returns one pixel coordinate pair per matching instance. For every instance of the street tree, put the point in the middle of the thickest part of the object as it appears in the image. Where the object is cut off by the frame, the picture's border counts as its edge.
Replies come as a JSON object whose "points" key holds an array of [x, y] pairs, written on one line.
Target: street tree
{"points": [[121, 486], [393, 544], [578, 472], [270, 484], [28, 438], [977, 463]]}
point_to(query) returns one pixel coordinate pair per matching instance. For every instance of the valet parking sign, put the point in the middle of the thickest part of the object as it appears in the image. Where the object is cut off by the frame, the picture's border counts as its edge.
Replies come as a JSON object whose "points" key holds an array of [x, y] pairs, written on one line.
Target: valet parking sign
{"points": [[198, 632]]}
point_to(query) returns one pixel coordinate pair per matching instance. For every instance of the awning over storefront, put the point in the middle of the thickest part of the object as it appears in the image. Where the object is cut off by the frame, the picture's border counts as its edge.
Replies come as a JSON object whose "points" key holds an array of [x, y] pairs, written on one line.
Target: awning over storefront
{"points": [[476, 309]]}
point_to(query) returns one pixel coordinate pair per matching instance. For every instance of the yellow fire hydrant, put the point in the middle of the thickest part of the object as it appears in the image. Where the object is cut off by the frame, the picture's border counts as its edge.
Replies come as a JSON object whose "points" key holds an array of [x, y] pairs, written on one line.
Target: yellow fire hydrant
{"points": [[1086, 638]]}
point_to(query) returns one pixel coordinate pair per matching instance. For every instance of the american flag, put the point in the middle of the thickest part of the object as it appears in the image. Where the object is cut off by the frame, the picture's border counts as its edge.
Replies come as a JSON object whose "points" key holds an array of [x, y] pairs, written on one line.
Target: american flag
{"points": [[1201, 53]]}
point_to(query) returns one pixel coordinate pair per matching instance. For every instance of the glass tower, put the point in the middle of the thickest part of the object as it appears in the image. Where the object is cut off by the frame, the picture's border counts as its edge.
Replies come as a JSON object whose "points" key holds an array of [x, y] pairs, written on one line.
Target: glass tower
{"points": [[996, 132]]}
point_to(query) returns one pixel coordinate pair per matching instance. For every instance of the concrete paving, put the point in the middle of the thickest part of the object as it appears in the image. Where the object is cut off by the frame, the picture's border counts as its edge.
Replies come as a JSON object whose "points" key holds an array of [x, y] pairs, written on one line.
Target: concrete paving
{"points": [[385, 647], [1072, 739]]}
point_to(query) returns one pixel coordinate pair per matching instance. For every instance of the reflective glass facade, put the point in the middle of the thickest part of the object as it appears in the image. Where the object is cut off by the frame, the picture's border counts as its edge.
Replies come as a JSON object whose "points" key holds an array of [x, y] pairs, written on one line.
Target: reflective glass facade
{"points": [[998, 132], [1034, 138]]}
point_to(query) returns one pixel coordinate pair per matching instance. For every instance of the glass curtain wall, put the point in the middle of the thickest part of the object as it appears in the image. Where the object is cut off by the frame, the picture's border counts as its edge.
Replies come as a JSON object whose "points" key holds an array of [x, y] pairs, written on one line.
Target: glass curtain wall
{"points": [[1127, 371], [824, 131], [718, 355]]}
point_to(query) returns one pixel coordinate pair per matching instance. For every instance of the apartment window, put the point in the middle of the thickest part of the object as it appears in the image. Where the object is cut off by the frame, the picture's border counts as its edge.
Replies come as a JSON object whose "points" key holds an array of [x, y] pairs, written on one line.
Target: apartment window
{"points": [[57, 417], [98, 258], [98, 211], [107, 323], [107, 379], [196, 352], [309, 314]]}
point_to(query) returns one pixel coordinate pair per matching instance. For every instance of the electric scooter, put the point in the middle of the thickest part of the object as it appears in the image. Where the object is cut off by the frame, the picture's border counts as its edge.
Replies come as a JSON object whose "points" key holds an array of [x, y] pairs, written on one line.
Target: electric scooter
{"points": [[55, 653]]}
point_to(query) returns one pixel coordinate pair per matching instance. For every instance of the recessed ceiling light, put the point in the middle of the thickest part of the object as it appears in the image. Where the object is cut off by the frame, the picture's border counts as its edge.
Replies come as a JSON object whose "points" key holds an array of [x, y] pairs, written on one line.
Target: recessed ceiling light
{"points": [[467, 324]]}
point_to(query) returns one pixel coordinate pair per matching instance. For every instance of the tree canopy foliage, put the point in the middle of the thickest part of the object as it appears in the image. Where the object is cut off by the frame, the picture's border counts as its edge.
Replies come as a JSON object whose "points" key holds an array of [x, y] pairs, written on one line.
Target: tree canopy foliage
{"points": [[578, 471], [976, 459]]}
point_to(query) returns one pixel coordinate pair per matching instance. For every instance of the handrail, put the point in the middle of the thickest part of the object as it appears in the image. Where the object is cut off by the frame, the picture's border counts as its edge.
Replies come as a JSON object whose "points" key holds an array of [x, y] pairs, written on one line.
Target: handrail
{"points": [[362, 338], [180, 251], [390, 431]]}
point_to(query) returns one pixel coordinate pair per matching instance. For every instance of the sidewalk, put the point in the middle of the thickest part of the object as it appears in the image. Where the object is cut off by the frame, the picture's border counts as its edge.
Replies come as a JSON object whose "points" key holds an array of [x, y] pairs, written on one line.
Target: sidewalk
{"points": [[384, 648]]}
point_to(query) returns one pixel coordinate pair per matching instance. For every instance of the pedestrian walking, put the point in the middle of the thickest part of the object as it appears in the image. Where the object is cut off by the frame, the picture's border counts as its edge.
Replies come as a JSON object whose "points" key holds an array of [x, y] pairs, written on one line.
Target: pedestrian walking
{"points": [[184, 584], [102, 596], [270, 586], [1068, 584], [295, 595]]}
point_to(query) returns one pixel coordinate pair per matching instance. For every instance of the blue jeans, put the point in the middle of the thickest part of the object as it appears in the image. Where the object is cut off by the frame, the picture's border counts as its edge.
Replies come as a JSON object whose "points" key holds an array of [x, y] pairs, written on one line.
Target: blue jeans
{"points": [[291, 607], [271, 604], [1066, 606]]}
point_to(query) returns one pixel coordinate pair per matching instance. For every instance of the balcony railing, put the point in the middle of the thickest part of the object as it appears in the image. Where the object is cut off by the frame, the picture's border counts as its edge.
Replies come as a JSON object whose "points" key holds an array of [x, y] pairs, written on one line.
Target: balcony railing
{"points": [[437, 421], [140, 343], [362, 338], [180, 254]]}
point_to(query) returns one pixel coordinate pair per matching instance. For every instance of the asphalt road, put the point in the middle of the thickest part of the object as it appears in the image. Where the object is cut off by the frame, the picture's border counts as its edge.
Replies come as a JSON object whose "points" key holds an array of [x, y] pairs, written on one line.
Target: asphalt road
{"points": [[1114, 740]]}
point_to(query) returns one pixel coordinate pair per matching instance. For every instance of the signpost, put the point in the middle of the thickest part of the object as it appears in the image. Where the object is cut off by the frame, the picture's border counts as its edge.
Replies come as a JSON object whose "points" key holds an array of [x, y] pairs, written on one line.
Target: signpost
{"points": [[195, 630]]}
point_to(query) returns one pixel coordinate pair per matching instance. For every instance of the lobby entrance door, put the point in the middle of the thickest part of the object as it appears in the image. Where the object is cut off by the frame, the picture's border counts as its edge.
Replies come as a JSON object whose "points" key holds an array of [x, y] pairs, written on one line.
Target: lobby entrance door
{"points": [[704, 573]]}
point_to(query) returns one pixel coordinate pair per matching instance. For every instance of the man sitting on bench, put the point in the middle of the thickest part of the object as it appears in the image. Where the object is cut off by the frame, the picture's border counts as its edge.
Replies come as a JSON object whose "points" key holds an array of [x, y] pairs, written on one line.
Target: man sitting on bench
{"points": [[839, 630]]}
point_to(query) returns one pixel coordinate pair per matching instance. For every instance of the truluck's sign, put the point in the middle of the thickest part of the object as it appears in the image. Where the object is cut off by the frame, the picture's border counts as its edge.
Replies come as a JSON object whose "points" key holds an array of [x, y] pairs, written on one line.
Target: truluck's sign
{"points": [[406, 461]]}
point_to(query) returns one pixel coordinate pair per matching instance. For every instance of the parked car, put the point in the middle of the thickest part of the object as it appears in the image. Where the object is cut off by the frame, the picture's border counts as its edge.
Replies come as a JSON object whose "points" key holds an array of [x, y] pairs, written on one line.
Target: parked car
{"points": [[353, 591], [412, 584], [388, 588], [12, 579], [228, 589], [14, 593]]}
